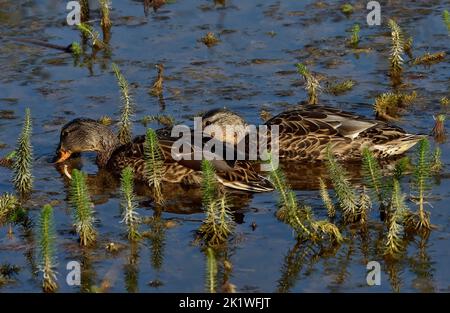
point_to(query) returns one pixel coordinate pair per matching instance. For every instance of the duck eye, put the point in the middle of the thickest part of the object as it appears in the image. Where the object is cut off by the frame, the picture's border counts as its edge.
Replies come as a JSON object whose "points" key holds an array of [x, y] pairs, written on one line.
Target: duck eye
{"points": [[207, 123], [65, 133]]}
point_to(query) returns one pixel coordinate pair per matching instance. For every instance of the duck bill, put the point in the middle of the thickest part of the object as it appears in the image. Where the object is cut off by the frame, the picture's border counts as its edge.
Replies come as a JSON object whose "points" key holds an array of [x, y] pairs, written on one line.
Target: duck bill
{"points": [[62, 156]]}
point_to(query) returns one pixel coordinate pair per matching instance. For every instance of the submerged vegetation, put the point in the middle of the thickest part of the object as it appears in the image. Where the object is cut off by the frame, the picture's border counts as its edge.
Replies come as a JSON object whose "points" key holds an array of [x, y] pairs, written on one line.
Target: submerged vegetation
{"points": [[47, 237]]}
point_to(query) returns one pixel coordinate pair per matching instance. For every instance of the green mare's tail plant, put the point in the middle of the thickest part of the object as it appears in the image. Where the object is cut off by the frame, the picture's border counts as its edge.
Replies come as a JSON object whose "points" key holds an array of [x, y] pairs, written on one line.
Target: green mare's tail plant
{"points": [[402, 165], [331, 210], [211, 271], [47, 249], [154, 164], [23, 162], [446, 18], [408, 47], [300, 217], [8, 205], [218, 224], [89, 32], [76, 49], [340, 88], [83, 209], [372, 176], [106, 21], [210, 39], [396, 220], [396, 58], [388, 105], [421, 183], [346, 195], [365, 204], [126, 111], [354, 39], [312, 85], [436, 165], [439, 129], [128, 204]]}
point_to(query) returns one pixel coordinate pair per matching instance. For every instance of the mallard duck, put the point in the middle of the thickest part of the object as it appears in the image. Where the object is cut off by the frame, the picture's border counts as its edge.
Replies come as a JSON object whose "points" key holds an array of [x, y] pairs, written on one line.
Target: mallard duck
{"points": [[83, 134], [306, 131]]}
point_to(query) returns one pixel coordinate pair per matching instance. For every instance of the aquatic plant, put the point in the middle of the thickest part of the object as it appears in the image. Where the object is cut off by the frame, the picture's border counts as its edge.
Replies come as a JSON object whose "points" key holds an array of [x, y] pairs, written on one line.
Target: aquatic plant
{"points": [[155, 4], [23, 162], [430, 58], [445, 101], [340, 88], [211, 271], [106, 21], [8, 160], [300, 217], [394, 241], [265, 115], [344, 191], [128, 204], [89, 32], [165, 120], [397, 45], [420, 183], [210, 39], [47, 237], [76, 49], [153, 164], [354, 39], [8, 204], [127, 108], [439, 128], [436, 163], [446, 18], [105, 120], [83, 209], [157, 86], [365, 204], [84, 14], [372, 175], [401, 166], [388, 105], [218, 224], [408, 46], [331, 210], [347, 9], [312, 85]]}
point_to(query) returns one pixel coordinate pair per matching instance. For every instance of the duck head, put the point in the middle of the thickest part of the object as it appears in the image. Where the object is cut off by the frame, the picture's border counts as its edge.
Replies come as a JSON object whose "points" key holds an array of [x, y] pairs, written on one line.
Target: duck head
{"points": [[224, 125], [81, 135]]}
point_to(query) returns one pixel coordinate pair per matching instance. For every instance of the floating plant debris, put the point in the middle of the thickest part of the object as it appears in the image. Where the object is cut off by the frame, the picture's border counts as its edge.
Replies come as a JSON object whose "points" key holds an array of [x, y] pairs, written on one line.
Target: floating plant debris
{"points": [[429, 58], [347, 8], [210, 39], [340, 88], [23, 161]]}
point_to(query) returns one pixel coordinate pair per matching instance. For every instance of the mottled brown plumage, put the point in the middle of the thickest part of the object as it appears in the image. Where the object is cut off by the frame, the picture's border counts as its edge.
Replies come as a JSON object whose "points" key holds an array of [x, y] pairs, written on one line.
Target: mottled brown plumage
{"points": [[89, 135]]}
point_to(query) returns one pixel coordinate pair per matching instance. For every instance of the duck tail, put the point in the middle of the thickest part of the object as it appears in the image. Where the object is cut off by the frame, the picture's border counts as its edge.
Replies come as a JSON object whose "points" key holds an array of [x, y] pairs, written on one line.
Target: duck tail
{"points": [[399, 145], [262, 184]]}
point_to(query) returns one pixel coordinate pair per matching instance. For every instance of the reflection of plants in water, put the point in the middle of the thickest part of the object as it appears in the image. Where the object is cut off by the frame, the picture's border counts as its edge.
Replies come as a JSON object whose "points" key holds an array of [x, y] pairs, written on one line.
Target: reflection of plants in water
{"points": [[157, 86], [211, 270], [157, 236], [421, 265], [439, 129], [106, 20], [131, 269], [293, 263], [88, 273], [392, 269]]}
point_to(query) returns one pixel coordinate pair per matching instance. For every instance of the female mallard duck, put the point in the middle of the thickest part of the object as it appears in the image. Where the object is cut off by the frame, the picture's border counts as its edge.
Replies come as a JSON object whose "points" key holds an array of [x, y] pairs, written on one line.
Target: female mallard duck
{"points": [[306, 132], [82, 135]]}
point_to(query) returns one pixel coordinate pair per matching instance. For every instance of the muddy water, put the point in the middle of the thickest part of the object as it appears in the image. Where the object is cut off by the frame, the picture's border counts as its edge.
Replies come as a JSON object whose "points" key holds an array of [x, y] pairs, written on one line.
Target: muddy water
{"points": [[252, 68]]}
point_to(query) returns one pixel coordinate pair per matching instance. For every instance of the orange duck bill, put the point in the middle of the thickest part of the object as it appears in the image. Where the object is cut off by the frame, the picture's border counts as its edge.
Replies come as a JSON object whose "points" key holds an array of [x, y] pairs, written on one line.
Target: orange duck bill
{"points": [[62, 156]]}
